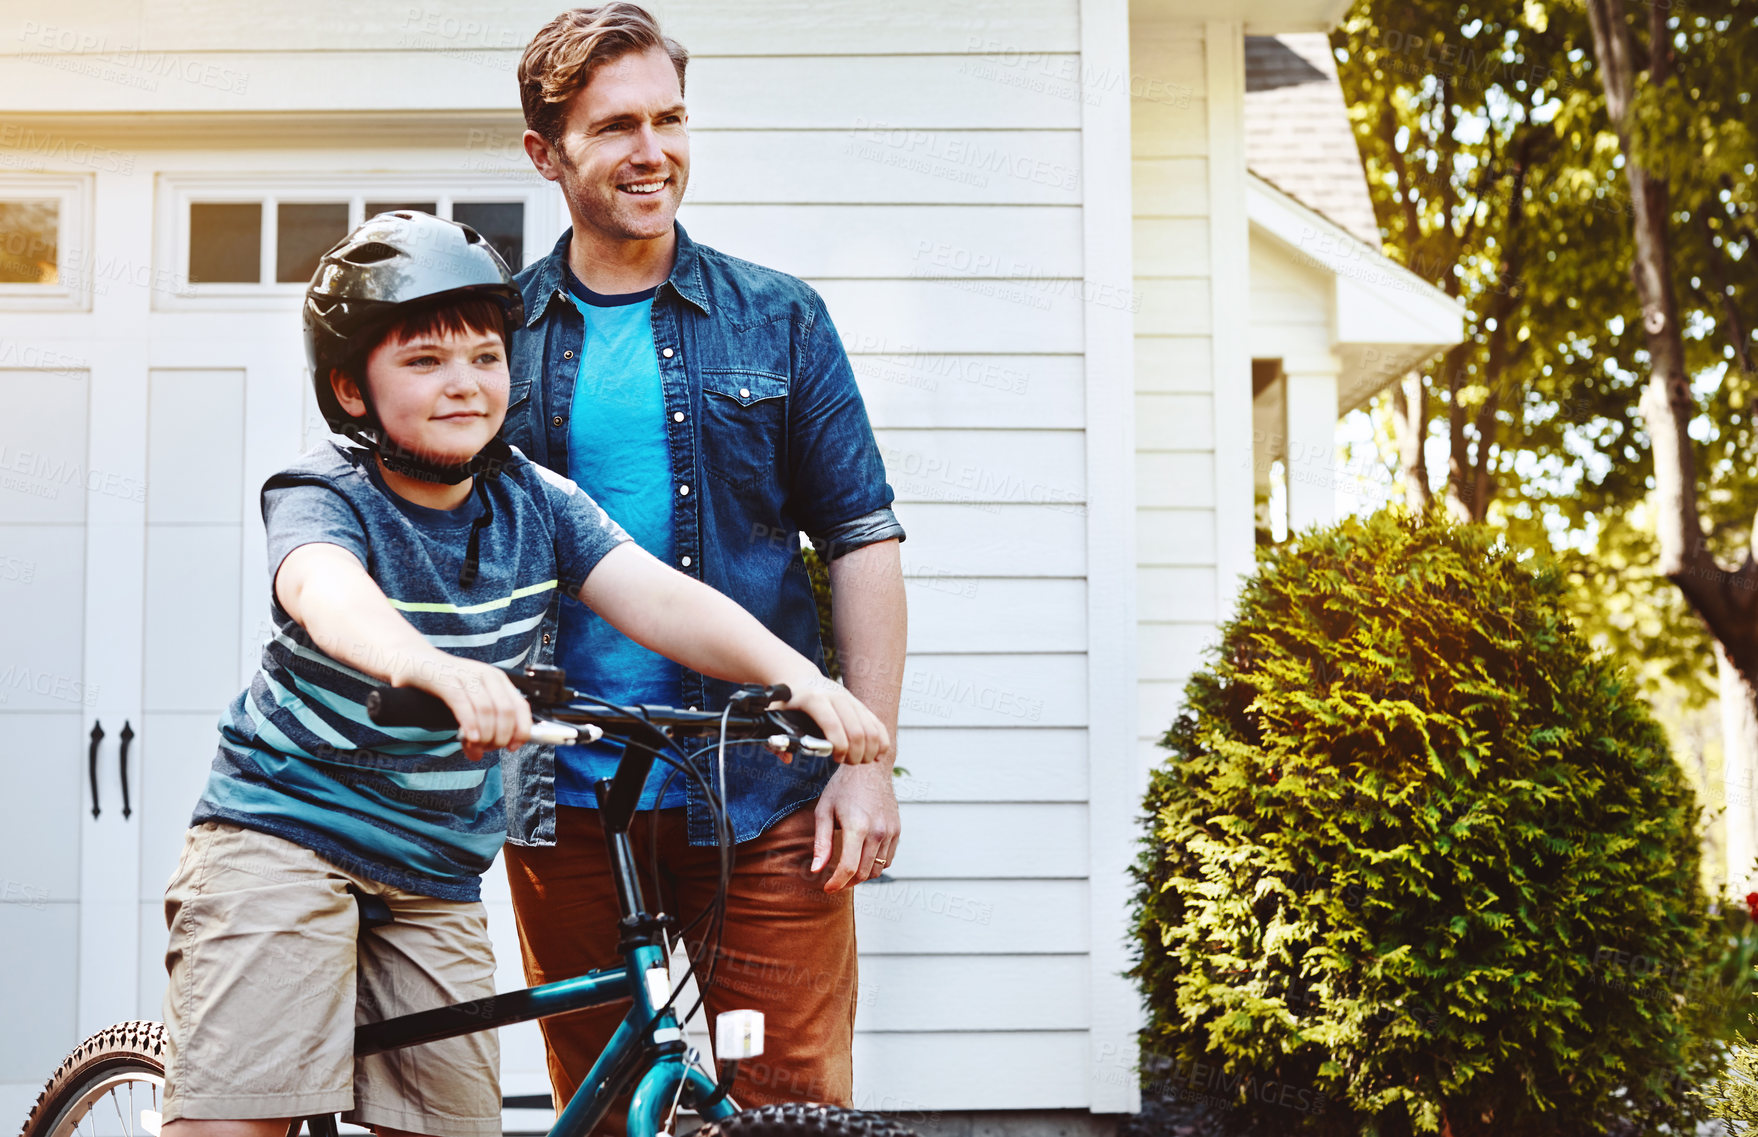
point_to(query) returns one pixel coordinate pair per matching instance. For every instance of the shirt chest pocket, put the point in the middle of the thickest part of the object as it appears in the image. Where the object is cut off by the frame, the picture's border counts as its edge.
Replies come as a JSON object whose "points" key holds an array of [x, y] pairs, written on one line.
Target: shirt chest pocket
{"points": [[744, 425]]}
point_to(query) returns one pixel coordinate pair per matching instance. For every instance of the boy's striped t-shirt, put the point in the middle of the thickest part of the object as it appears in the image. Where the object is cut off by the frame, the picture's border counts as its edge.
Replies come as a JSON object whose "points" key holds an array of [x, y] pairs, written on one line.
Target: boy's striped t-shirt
{"points": [[298, 755]]}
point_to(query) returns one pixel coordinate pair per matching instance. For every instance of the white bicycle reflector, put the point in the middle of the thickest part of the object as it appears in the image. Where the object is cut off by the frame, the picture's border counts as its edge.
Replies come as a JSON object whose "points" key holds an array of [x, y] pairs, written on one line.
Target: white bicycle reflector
{"points": [[738, 1035]]}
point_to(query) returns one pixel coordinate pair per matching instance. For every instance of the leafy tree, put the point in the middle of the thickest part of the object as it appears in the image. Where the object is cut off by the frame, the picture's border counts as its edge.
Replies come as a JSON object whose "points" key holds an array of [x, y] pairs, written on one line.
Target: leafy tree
{"points": [[1684, 125], [1488, 137]]}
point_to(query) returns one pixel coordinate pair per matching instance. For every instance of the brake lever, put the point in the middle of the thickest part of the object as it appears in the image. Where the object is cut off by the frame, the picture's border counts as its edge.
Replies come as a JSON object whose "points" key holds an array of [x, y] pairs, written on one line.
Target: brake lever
{"points": [[546, 733], [805, 744]]}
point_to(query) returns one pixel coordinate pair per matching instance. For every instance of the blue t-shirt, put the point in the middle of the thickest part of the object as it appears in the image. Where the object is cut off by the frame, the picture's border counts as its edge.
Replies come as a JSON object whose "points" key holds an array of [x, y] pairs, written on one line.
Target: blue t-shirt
{"points": [[298, 755], [617, 452]]}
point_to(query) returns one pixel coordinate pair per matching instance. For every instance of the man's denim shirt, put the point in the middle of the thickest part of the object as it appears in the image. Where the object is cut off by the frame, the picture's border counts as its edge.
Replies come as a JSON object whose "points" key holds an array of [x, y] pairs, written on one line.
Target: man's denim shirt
{"points": [[768, 437]]}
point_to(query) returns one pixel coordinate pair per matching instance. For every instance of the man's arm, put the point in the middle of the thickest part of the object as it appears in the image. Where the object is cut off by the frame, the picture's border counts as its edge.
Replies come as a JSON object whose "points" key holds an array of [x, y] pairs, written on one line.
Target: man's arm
{"points": [[685, 620], [870, 618]]}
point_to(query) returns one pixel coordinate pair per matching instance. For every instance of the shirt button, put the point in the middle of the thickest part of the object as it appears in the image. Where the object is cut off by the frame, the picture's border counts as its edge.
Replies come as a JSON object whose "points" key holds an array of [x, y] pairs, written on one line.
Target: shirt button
{"points": [[677, 416], [666, 353], [686, 562], [683, 491], [546, 637], [567, 355], [744, 392], [557, 420]]}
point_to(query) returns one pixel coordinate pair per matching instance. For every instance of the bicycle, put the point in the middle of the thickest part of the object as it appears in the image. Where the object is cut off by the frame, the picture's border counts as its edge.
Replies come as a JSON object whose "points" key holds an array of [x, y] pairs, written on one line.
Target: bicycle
{"points": [[647, 1051]]}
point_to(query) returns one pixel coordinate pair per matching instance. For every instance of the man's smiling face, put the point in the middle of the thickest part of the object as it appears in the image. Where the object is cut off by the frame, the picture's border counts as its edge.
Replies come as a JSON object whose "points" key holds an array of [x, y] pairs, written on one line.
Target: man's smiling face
{"points": [[624, 157]]}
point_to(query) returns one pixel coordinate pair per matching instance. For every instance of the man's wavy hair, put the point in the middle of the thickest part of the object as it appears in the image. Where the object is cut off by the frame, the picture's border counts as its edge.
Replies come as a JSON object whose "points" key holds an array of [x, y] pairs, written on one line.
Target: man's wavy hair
{"points": [[561, 57]]}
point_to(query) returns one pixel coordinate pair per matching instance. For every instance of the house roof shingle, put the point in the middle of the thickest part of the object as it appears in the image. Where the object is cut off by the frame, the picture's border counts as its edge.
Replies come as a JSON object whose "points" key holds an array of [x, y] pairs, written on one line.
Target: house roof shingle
{"points": [[1297, 133]]}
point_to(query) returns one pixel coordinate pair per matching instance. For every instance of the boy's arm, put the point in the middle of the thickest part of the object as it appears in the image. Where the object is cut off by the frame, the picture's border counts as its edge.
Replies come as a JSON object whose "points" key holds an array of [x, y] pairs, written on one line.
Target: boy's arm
{"points": [[686, 620], [328, 592]]}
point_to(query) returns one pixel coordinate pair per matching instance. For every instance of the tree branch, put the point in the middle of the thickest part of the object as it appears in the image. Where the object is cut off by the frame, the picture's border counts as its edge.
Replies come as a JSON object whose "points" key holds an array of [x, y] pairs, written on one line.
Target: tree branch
{"points": [[1410, 425], [1733, 326], [1725, 600]]}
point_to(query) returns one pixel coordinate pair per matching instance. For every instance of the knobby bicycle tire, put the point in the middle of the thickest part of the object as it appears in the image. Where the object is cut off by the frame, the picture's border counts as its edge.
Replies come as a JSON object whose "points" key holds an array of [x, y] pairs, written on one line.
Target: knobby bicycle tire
{"points": [[799, 1119], [128, 1056]]}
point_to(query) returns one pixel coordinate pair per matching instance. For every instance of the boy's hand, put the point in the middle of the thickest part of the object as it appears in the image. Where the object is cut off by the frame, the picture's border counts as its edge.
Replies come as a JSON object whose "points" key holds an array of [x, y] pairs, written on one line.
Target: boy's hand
{"points": [[852, 730], [491, 713]]}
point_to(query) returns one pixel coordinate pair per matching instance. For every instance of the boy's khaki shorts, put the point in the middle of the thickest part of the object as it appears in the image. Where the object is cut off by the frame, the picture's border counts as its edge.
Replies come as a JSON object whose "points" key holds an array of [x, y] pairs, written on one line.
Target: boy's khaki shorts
{"points": [[267, 984]]}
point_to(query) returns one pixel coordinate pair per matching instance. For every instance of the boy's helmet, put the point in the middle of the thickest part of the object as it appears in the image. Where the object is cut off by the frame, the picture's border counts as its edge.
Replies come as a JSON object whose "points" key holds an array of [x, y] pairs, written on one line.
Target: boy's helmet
{"points": [[391, 260]]}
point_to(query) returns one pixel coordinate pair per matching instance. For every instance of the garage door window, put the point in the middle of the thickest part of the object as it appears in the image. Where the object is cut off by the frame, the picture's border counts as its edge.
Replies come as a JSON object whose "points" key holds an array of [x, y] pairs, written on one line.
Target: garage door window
{"points": [[41, 229], [233, 245]]}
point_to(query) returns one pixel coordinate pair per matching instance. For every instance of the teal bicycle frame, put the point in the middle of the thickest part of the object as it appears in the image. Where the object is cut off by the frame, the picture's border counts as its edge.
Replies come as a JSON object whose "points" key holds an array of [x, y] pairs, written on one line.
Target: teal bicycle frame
{"points": [[646, 1040]]}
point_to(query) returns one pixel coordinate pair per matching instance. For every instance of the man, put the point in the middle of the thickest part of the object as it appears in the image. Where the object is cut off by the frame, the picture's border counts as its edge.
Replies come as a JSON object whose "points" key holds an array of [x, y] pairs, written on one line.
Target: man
{"points": [[708, 405]]}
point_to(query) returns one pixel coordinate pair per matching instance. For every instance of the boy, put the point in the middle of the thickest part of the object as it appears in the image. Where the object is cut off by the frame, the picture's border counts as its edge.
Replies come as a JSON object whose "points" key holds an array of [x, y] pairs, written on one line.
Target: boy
{"points": [[428, 556]]}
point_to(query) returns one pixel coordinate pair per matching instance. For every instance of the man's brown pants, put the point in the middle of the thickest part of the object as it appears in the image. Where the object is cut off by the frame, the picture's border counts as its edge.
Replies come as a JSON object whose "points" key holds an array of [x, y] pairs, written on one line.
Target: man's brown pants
{"points": [[788, 948]]}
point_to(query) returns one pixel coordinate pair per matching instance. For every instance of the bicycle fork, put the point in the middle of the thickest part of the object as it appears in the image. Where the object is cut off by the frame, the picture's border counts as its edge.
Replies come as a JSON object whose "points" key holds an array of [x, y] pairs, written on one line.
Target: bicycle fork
{"points": [[670, 1079]]}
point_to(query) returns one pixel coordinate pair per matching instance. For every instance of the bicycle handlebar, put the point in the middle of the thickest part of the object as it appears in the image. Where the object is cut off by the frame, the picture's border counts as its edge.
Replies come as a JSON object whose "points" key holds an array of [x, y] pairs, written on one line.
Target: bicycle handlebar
{"points": [[409, 706], [543, 688]]}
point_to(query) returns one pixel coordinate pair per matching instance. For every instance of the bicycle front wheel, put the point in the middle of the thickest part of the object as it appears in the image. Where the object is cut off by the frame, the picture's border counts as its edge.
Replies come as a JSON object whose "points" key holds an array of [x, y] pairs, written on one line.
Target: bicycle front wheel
{"points": [[112, 1085], [800, 1119]]}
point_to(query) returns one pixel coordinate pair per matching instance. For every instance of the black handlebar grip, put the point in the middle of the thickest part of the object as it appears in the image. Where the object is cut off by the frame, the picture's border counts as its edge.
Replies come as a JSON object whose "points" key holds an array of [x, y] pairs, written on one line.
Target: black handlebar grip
{"points": [[801, 722], [409, 706]]}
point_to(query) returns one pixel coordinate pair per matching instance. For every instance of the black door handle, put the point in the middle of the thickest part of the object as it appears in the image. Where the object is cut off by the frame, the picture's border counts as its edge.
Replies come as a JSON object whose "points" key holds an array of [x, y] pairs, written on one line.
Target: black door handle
{"points": [[127, 736], [92, 762]]}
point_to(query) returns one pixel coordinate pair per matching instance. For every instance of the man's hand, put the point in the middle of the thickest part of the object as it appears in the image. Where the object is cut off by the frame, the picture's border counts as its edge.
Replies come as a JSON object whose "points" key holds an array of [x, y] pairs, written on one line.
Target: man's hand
{"points": [[491, 712], [860, 801]]}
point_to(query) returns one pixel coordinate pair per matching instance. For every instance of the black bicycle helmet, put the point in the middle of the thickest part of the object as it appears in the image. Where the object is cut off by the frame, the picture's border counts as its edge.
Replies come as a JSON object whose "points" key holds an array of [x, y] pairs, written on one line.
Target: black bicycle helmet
{"points": [[393, 260]]}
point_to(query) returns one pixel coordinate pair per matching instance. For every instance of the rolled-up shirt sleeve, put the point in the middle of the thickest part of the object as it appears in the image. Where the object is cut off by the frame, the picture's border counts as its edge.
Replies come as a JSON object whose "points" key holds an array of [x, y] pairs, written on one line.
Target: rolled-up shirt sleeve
{"points": [[837, 493]]}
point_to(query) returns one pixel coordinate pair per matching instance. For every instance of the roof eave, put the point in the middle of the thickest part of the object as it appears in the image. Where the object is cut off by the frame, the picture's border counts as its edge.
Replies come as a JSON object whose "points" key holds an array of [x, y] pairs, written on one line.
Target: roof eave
{"points": [[1385, 319]]}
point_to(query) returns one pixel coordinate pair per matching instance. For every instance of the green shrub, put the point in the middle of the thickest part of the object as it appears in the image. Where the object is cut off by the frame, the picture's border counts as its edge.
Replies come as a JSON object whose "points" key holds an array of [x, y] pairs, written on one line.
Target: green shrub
{"points": [[1419, 861], [819, 572]]}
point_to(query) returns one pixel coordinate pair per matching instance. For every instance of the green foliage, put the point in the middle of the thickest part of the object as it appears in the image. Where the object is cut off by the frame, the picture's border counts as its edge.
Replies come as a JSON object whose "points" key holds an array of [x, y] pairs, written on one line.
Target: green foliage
{"points": [[1496, 175], [819, 572], [1734, 1096], [1419, 852]]}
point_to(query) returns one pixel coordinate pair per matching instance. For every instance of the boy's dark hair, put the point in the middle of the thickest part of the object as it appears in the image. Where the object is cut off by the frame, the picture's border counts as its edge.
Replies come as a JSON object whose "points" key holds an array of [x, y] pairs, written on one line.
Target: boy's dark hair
{"points": [[561, 57], [447, 316]]}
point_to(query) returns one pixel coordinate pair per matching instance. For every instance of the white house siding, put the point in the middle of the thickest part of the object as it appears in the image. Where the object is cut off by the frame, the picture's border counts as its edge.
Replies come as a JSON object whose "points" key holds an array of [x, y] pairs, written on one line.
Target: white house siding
{"points": [[1291, 304], [1193, 447], [931, 185]]}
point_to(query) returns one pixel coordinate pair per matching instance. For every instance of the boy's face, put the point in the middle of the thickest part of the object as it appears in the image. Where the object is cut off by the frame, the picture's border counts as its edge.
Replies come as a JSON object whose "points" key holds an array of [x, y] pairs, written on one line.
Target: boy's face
{"points": [[440, 397], [624, 157]]}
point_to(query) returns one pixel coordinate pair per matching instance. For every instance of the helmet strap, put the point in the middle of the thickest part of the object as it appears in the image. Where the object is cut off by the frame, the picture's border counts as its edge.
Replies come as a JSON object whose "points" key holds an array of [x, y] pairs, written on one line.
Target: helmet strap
{"points": [[368, 432]]}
